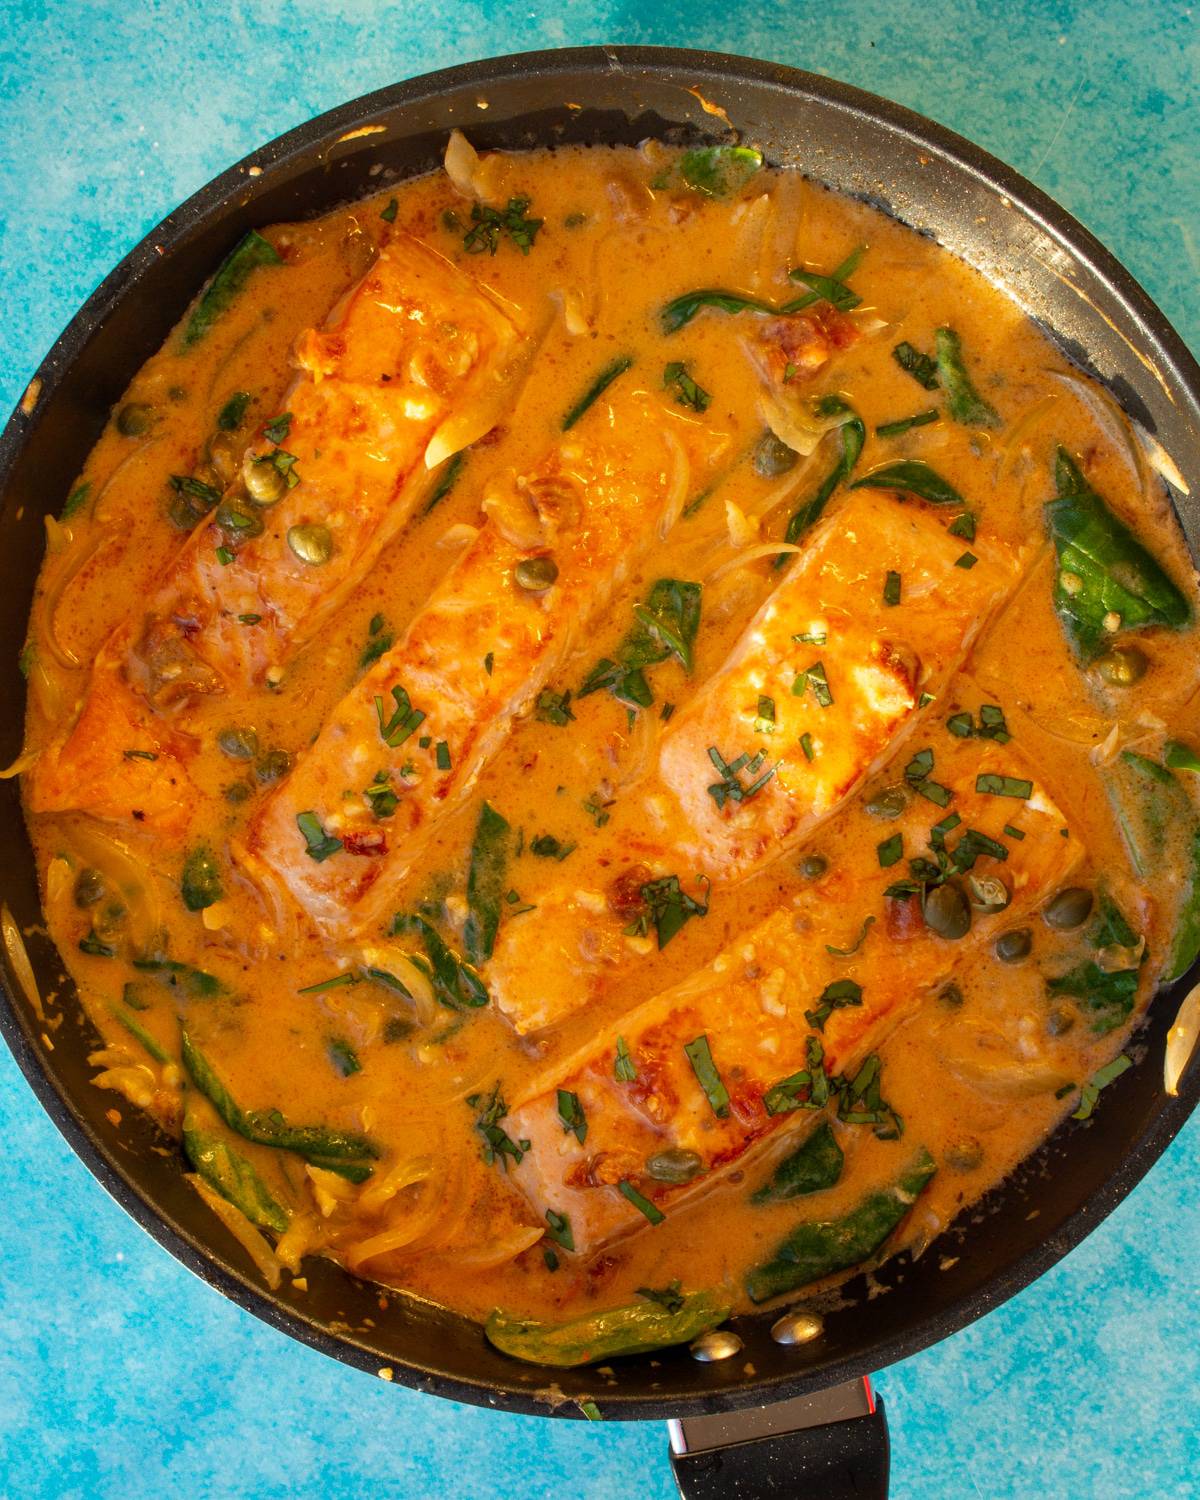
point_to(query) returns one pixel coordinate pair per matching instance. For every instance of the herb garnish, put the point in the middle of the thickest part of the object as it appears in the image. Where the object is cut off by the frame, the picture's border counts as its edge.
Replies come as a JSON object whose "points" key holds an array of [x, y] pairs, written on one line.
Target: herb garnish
{"points": [[891, 588], [764, 722], [486, 879], [498, 1145], [553, 708], [911, 476], [571, 1115], [906, 424], [276, 430], [808, 1089], [921, 367], [668, 907], [229, 418], [815, 678], [642, 1204], [558, 1227], [488, 224], [730, 788], [890, 851], [699, 1054], [339, 981], [446, 480], [681, 310], [670, 1297], [456, 982], [1090, 1092], [965, 403], [967, 560], [666, 626], [624, 1067], [916, 773], [319, 844], [852, 434], [687, 392], [836, 996], [404, 721], [963, 526], [597, 388], [343, 1056], [388, 214], [1003, 786], [546, 846]]}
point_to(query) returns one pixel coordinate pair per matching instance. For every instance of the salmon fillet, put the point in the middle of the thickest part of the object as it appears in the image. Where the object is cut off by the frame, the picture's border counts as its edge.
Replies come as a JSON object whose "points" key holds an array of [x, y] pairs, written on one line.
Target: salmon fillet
{"points": [[414, 363], [427, 718], [842, 675], [756, 1009]]}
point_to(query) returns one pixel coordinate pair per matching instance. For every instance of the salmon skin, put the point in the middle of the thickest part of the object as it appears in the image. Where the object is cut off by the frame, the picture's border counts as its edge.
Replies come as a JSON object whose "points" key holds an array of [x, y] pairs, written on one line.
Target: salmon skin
{"points": [[427, 718], [722, 1064], [820, 687], [414, 363]]}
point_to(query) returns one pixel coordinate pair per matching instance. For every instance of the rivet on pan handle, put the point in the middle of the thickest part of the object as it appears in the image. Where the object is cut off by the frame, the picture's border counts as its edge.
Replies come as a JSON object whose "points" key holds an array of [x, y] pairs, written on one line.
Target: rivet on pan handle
{"points": [[833, 1444]]}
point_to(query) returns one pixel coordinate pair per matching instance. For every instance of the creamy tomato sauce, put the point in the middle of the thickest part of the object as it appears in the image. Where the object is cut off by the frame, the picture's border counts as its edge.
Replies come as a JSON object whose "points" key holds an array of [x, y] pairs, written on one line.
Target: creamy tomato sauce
{"points": [[549, 785]]}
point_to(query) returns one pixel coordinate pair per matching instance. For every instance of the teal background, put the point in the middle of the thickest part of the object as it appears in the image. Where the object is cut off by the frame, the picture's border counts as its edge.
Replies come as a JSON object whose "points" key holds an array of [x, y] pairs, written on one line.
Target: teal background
{"points": [[120, 1375]]}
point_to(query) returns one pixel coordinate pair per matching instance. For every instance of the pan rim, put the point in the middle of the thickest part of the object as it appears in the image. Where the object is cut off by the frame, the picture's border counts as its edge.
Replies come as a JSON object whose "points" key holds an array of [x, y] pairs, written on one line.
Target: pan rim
{"points": [[218, 197]]}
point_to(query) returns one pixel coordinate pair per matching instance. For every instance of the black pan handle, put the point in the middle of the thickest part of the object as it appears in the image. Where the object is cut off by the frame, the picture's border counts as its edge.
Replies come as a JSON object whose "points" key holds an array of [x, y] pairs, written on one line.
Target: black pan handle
{"points": [[832, 1446]]}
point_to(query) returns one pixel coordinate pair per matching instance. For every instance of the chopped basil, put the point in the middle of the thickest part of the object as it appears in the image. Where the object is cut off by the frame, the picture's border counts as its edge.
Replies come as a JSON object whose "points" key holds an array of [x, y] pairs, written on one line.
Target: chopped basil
{"points": [[687, 392], [570, 1114], [963, 526], [764, 722], [1180, 757], [276, 430], [1090, 1092], [338, 982], [1003, 786], [911, 476], [808, 1089], [806, 745], [553, 708], [815, 678], [489, 661], [962, 725], [964, 402], [624, 1067], [669, 1297], [229, 418], [890, 851], [836, 996], [404, 721], [442, 755], [852, 435], [730, 787], [831, 288], [489, 224], [642, 1204], [388, 214], [231, 276], [668, 908], [666, 626], [201, 882], [966, 560], [1013, 833], [319, 844], [491, 848], [715, 171], [546, 846], [446, 480], [558, 1227], [343, 1056], [225, 556], [699, 1054], [498, 1145], [860, 1101], [891, 588], [379, 642], [921, 367]]}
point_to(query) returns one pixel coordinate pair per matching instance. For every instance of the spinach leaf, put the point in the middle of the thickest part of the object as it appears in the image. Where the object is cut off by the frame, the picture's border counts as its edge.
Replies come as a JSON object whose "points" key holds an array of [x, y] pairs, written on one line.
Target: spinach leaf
{"points": [[201, 883], [831, 289], [920, 366], [718, 171], [813, 1166], [336, 1150], [681, 310], [1103, 570], [822, 1248], [636, 1329], [486, 883], [963, 401], [687, 392], [666, 626], [237, 1181], [456, 983], [699, 1054], [1107, 994], [231, 276], [852, 434], [913, 477], [668, 907], [1185, 943]]}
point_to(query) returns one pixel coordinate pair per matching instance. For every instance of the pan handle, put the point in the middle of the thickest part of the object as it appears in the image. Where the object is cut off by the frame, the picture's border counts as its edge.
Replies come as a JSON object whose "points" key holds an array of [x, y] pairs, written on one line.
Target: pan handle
{"points": [[833, 1444]]}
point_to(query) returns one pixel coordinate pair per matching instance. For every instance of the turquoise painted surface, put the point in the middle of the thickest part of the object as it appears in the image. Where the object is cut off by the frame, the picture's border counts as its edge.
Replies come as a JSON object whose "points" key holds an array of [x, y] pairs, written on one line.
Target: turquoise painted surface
{"points": [[120, 1375]]}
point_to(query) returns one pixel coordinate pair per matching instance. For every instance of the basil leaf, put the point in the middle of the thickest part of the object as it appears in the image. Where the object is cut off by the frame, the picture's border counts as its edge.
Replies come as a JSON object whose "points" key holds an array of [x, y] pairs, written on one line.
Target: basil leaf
{"points": [[718, 171], [486, 882], [912, 477], [963, 401], [699, 1054], [597, 388], [231, 276]]}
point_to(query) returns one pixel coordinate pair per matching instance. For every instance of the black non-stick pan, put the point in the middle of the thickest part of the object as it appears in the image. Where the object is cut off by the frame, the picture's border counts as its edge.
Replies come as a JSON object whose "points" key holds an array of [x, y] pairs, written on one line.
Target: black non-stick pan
{"points": [[935, 182]]}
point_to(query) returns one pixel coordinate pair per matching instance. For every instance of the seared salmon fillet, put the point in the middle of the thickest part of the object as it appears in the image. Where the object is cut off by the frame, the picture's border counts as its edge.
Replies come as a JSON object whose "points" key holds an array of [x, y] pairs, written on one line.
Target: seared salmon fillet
{"points": [[413, 365], [722, 1064], [425, 720], [817, 691]]}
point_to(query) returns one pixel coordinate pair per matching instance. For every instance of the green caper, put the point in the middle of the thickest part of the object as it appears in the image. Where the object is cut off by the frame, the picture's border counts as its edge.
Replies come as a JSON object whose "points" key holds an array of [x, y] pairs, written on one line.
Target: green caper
{"points": [[1122, 666], [773, 457], [988, 892], [223, 456], [951, 997], [813, 866], [947, 911], [536, 574], [675, 1165], [90, 887], [135, 419], [271, 766], [237, 792], [1070, 908], [964, 1155], [238, 525], [1060, 1020], [889, 802], [1012, 947], [265, 483], [238, 743], [110, 921], [177, 393], [312, 544]]}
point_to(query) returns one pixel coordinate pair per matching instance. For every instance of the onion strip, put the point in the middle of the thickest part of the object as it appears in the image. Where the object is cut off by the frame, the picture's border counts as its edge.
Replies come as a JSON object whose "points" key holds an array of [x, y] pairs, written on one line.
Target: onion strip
{"points": [[238, 1225]]}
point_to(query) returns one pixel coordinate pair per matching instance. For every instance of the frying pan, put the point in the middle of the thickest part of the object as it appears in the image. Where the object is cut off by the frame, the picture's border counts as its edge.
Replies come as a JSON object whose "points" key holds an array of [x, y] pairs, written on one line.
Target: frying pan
{"points": [[858, 144]]}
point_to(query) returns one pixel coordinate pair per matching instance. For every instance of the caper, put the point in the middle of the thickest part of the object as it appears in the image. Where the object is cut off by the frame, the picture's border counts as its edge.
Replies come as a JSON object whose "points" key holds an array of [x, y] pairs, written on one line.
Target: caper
{"points": [[237, 524], [108, 923], [813, 866], [889, 802], [988, 892], [312, 544], [238, 743], [135, 419], [675, 1165], [237, 792], [89, 887], [947, 912], [265, 482], [1060, 1020], [1012, 947], [1070, 908], [271, 766], [1122, 666], [964, 1155], [177, 392], [223, 456], [951, 997], [536, 574], [773, 457]]}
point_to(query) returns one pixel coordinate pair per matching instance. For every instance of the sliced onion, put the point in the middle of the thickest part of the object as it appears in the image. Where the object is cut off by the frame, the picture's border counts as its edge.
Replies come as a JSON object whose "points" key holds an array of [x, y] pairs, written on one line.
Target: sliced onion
{"points": [[791, 424], [571, 303], [743, 532], [378, 1193], [677, 485], [1020, 430], [1111, 420], [1181, 1042], [456, 537], [18, 960], [23, 762], [499, 1252], [243, 1231], [462, 165], [301, 1237], [752, 554], [511, 513]]}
